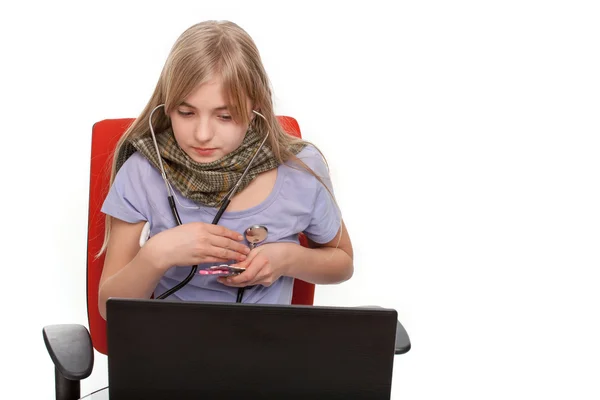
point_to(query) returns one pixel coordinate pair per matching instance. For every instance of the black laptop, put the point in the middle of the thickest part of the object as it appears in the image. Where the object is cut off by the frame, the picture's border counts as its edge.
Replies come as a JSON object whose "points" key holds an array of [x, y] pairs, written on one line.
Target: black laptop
{"points": [[161, 349]]}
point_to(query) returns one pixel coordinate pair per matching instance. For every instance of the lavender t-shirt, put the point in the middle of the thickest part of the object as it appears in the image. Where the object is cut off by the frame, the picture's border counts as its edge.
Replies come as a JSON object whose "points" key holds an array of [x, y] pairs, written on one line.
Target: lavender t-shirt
{"points": [[297, 203]]}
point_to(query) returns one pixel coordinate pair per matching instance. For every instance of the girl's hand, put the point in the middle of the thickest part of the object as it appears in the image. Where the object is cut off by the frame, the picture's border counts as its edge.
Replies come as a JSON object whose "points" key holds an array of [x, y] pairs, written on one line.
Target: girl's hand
{"points": [[264, 265], [196, 242]]}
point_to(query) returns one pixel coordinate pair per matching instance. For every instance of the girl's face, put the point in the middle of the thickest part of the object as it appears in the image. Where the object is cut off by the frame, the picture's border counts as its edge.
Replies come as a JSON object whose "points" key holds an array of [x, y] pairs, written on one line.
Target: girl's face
{"points": [[203, 126]]}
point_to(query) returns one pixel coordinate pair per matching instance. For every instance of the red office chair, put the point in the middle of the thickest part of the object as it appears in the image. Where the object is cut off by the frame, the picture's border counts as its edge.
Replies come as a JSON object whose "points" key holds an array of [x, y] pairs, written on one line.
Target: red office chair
{"points": [[105, 135], [71, 366]]}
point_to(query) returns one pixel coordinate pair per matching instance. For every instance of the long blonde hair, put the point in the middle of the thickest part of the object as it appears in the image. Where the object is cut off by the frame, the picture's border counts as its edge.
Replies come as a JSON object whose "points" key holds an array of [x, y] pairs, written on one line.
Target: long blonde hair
{"points": [[204, 50]]}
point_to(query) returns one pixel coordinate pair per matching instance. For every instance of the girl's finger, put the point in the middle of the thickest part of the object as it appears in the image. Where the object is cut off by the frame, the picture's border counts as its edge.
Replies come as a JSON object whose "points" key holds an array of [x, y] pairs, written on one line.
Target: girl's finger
{"points": [[225, 254], [220, 230], [259, 276], [225, 243]]}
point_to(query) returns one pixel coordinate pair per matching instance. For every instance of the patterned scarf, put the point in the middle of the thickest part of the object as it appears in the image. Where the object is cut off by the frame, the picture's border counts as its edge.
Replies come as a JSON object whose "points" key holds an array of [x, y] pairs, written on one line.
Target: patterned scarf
{"points": [[208, 183]]}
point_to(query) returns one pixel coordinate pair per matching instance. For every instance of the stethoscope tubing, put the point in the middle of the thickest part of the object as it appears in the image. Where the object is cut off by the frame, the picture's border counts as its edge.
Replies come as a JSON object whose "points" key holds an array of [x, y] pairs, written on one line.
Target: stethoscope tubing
{"points": [[224, 203]]}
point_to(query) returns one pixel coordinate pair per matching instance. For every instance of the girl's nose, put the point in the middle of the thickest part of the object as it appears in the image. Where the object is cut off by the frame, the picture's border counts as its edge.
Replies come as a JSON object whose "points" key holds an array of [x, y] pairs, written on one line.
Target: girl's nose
{"points": [[203, 131]]}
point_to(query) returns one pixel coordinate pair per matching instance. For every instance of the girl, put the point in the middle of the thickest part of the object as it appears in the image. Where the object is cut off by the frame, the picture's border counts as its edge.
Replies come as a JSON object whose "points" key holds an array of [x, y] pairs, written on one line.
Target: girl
{"points": [[211, 116]]}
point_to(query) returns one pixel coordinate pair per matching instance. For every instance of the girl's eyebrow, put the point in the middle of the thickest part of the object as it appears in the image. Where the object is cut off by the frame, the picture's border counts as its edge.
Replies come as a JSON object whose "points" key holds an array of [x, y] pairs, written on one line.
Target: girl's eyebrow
{"points": [[220, 108]]}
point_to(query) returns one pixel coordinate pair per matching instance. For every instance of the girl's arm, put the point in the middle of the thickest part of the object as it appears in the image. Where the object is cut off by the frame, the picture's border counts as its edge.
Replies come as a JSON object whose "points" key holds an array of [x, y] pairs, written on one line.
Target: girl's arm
{"points": [[129, 271], [133, 272], [323, 263]]}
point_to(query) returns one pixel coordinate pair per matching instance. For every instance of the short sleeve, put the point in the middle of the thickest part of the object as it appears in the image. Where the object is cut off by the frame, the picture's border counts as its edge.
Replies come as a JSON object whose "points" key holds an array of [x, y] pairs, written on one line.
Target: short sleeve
{"points": [[325, 220], [127, 199]]}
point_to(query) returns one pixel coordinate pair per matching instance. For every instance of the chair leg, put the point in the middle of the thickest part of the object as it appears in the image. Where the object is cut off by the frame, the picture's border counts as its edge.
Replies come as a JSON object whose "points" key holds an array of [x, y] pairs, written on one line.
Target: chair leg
{"points": [[66, 389]]}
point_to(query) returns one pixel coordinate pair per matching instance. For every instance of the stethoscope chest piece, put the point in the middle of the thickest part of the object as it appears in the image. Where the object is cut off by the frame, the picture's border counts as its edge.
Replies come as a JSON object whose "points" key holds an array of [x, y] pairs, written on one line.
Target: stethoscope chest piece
{"points": [[256, 234]]}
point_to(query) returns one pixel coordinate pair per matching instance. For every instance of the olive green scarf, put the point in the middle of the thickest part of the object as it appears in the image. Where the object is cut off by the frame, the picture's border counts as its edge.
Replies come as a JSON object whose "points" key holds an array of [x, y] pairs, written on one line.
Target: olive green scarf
{"points": [[206, 184]]}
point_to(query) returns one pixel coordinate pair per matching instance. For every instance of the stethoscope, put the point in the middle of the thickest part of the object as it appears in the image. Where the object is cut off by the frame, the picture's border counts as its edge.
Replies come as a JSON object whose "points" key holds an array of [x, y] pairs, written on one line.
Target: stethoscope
{"points": [[255, 231]]}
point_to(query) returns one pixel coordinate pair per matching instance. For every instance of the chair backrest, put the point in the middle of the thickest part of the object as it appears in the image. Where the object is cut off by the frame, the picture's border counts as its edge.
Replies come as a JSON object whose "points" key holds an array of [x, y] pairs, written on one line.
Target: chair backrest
{"points": [[105, 135]]}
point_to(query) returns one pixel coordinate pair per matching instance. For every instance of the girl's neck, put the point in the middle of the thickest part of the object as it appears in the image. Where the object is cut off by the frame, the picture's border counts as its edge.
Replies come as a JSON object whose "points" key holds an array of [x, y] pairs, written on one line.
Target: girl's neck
{"points": [[255, 193]]}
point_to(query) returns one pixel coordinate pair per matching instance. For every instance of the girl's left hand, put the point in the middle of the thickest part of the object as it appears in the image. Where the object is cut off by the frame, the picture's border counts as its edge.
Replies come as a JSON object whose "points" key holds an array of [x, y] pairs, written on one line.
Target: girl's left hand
{"points": [[264, 265]]}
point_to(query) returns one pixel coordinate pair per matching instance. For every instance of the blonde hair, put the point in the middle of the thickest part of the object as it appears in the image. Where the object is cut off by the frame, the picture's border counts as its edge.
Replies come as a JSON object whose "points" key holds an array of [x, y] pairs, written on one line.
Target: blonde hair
{"points": [[202, 51]]}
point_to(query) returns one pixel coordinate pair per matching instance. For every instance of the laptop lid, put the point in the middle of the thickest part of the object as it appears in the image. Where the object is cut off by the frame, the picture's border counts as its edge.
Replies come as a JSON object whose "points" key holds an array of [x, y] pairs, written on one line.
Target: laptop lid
{"points": [[161, 349]]}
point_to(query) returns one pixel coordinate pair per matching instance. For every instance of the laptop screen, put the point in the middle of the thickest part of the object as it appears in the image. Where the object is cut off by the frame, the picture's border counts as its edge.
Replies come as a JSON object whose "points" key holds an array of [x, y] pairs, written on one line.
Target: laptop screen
{"points": [[161, 349]]}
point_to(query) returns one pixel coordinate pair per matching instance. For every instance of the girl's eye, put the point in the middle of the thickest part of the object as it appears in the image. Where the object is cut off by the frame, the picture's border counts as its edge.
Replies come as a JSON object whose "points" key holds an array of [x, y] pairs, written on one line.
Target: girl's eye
{"points": [[184, 113], [225, 117]]}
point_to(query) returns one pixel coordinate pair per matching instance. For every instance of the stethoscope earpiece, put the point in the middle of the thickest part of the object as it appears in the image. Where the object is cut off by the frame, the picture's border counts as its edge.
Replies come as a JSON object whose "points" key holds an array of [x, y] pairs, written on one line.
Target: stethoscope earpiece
{"points": [[259, 114]]}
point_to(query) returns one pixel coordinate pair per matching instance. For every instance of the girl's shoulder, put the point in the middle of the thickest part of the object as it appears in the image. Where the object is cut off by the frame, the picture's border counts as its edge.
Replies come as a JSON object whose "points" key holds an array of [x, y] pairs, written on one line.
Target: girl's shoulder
{"points": [[313, 158], [136, 164], [139, 175]]}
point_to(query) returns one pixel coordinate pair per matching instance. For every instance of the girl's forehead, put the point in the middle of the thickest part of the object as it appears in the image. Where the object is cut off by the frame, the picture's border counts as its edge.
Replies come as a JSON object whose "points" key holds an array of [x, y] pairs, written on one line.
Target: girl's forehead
{"points": [[209, 92], [212, 93]]}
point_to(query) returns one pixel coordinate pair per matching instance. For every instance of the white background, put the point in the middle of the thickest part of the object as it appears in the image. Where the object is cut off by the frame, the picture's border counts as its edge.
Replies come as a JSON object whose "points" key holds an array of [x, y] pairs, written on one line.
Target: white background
{"points": [[463, 143]]}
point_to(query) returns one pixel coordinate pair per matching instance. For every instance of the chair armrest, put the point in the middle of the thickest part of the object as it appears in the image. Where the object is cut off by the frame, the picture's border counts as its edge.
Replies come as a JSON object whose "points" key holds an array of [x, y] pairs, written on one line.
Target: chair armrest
{"points": [[402, 345], [70, 348], [402, 340]]}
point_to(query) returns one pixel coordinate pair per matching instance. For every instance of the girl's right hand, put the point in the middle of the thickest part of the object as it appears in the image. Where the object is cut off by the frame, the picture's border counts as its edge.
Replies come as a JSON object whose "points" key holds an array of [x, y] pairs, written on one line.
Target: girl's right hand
{"points": [[195, 243]]}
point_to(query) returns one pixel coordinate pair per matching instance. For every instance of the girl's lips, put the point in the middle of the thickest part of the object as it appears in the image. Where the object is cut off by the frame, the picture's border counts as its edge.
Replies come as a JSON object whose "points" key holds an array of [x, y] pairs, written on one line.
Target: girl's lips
{"points": [[204, 151]]}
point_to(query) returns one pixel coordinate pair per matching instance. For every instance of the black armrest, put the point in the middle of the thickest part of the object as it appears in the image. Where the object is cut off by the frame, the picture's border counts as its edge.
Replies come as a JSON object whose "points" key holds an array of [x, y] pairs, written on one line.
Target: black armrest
{"points": [[70, 348], [402, 340]]}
